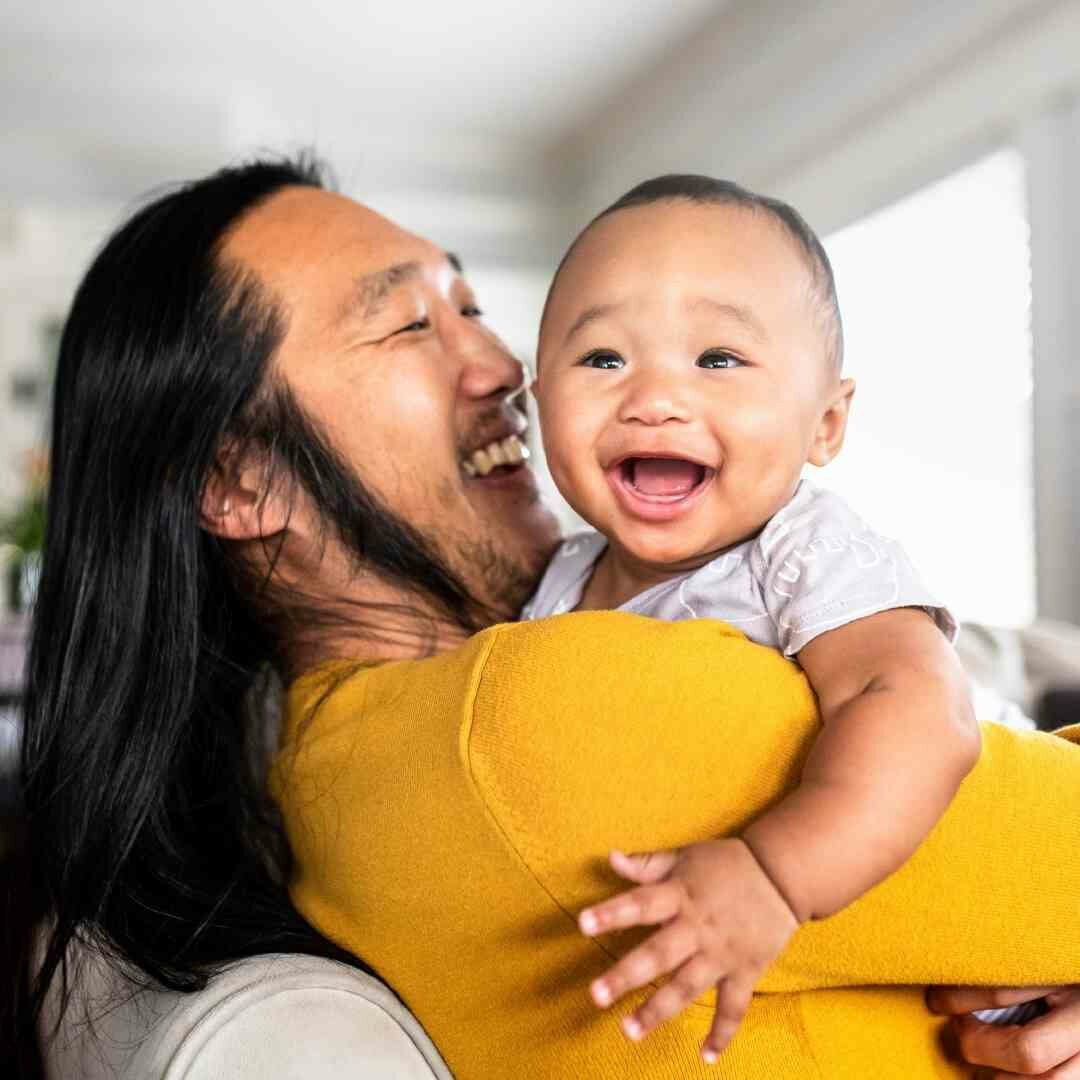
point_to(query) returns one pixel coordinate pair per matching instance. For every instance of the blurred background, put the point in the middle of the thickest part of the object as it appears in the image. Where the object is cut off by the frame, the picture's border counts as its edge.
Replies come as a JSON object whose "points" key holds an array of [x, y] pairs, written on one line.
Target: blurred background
{"points": [[935, 147]]}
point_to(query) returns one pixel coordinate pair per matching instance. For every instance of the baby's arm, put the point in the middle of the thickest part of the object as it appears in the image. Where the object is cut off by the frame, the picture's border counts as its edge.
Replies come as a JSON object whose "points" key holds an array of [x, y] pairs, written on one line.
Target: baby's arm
{"points": [[898, 737]]}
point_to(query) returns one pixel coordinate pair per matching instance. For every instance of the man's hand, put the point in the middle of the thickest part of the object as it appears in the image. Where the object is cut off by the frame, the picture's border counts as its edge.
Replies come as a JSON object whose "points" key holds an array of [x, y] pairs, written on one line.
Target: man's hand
{"points": [[1046, 1047], [723, 922]]}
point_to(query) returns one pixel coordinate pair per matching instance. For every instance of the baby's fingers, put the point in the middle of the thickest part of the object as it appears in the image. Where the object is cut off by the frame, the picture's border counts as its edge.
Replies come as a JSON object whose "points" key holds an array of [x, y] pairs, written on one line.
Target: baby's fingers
{"points": [[663, 952], [685, 987], [646, 905], [644, 867], [732, 1000]]}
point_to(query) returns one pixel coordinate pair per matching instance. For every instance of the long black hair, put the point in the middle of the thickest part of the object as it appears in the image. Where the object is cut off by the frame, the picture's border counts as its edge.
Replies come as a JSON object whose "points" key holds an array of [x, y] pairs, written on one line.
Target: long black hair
{"points": [[150, 836]]}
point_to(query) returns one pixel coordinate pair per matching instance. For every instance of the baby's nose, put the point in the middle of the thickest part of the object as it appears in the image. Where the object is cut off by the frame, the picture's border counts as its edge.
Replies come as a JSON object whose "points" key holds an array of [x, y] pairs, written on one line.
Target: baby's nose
{"points": [[655, 402]]}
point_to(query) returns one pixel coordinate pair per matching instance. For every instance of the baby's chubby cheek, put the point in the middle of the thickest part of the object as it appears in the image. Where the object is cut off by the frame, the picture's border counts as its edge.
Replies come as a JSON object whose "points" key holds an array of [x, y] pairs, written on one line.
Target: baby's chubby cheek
{"points": [[579, 479], [564, 428]]}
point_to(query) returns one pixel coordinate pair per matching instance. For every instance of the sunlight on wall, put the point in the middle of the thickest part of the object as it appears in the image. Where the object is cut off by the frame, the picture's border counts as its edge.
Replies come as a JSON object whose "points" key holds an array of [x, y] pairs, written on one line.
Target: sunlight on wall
{"points": [[936, 293]]}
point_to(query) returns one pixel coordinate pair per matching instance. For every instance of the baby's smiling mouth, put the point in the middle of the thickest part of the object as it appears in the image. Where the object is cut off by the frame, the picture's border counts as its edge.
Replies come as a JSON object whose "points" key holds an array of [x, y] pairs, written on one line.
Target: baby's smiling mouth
{"points": [[658, 488], [667, 479]]}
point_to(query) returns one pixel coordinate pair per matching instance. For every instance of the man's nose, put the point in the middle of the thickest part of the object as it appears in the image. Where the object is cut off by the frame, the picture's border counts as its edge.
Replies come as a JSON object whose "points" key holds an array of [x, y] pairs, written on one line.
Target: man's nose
{"points": [[488, 368], [654, 399]]}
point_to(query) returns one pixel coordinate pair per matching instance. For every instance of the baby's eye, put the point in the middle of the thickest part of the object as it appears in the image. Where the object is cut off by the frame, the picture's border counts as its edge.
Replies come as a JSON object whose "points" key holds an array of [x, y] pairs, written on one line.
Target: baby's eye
{"points": [[604, 359], [717, 358], [471, 311]]}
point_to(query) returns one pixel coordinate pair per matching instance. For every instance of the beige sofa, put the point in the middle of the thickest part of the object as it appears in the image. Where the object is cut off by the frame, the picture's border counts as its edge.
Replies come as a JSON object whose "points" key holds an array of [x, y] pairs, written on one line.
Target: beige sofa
{"points": [[280, 1017]]}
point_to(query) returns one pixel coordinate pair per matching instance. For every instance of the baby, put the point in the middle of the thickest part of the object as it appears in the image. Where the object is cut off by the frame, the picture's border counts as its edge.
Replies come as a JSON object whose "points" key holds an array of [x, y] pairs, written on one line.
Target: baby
{"points": [[689, 367]]}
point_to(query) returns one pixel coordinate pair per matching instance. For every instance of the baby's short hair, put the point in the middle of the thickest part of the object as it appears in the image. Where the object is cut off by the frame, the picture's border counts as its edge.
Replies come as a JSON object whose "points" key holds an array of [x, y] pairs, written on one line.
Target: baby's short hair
{"points": [[707, 190]]}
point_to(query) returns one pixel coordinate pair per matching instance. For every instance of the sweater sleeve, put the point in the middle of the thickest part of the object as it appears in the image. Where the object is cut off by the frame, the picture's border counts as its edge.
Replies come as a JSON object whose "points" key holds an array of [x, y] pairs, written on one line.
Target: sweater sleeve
{"points": [[600, 730], [991, 897]]}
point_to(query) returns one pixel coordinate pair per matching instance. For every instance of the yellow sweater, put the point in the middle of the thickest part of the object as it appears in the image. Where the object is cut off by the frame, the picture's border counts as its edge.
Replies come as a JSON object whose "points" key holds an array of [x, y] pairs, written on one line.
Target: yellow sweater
{"points": [[451, 816]]}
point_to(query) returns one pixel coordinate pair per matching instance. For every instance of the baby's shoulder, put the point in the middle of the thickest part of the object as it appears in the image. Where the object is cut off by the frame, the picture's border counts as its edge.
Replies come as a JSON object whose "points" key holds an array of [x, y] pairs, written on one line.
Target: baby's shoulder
{"points": [[560, 587], [811, 513], [814, 521]]}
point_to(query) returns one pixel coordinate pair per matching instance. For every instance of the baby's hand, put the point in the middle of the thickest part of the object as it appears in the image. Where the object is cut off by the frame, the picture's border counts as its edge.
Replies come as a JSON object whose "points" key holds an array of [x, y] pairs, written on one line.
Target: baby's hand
{"points": [[723, 922]]}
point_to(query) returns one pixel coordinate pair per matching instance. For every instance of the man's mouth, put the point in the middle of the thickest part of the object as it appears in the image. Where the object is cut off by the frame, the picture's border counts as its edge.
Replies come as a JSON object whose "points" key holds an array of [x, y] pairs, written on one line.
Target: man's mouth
{"points": [[502, 455], [658, 488]]}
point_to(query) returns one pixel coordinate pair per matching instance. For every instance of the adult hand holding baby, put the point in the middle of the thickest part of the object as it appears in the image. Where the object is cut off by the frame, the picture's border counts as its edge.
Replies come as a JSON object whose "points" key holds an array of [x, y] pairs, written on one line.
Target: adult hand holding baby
{"points": [[1046, 1047], [722, 923]]}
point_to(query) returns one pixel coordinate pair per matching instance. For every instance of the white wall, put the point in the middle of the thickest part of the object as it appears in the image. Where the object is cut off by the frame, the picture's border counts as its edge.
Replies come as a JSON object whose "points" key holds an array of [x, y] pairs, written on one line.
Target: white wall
{"points": [[844, 108], [935, 295], [1051, 143], [839, 107], [43, 251]]}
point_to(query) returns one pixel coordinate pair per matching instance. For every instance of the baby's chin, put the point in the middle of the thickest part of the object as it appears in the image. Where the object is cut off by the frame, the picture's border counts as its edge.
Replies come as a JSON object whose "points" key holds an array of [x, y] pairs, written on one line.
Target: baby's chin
{"points": [[673, 554]]}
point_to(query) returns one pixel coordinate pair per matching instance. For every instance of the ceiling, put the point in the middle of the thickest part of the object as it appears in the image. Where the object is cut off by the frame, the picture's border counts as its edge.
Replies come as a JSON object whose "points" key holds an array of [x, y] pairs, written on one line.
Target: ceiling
{"points": [[102, 98], [500, 127]]}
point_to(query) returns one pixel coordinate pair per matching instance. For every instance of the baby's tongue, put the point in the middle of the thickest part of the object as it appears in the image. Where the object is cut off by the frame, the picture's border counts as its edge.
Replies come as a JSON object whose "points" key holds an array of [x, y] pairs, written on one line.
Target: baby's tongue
{"points": [[664, 476]]}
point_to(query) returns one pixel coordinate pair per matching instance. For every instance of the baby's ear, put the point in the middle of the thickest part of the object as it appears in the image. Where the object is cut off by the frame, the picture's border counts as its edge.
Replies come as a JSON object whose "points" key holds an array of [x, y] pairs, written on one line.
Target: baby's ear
{"points": [[831, 428]]}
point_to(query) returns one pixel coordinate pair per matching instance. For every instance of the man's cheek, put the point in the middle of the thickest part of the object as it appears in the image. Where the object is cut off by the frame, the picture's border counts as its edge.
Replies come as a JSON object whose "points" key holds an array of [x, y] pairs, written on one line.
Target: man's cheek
{"points": [[446, 494]]}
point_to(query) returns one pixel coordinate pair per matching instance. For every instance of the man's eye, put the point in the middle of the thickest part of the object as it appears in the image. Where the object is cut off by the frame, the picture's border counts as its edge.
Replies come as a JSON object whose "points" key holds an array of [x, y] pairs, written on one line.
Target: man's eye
{"points": [[604, 359], [420, 324], [471, 311], [718, 359]]}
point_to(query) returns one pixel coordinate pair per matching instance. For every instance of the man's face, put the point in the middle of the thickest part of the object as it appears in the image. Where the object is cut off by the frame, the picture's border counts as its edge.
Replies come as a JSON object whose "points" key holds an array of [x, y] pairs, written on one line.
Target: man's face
{"points": [[387, 353]]}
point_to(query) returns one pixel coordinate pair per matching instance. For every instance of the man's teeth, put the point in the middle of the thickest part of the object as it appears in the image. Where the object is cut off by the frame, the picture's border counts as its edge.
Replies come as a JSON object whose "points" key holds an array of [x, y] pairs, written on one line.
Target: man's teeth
{"points": [[508, 451]]}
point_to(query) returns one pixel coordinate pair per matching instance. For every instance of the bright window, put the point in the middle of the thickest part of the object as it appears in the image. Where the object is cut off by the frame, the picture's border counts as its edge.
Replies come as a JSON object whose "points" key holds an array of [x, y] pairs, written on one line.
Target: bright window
{"points": [[935, 293]]}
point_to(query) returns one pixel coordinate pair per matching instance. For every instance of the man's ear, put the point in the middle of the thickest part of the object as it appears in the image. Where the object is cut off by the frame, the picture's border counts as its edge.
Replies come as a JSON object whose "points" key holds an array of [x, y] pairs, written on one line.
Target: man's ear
{"points": [[239, 502], [829, 436]]}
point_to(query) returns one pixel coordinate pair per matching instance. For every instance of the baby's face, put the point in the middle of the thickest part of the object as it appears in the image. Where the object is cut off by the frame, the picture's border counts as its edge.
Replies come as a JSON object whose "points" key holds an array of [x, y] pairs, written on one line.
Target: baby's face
{"points": [[683, 380]]}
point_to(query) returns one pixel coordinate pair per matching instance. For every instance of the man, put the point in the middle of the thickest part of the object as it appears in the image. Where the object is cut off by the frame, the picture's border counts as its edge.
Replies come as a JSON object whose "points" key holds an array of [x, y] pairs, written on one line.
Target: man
{"points": [[282, 433], [388, 357]]}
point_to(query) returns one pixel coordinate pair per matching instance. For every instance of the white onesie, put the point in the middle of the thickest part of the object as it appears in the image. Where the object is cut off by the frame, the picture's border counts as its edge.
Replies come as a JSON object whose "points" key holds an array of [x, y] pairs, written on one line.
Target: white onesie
{"points": [[815, 566]]}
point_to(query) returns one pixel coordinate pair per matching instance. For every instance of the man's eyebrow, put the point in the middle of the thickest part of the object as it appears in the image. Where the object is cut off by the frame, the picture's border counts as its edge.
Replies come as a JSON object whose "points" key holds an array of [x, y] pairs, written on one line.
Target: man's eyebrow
{"points": [[734, 311], [591, 314], [370, 290]]}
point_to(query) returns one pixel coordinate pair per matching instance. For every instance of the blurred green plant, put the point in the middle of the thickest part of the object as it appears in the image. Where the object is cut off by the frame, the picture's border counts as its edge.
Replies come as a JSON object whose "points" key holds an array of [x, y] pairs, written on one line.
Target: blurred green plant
{"points": [[24, 527]]}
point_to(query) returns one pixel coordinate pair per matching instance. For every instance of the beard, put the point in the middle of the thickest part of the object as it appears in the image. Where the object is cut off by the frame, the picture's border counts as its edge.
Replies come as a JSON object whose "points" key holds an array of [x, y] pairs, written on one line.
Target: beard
{"points": [[506, 584], [378, 540]]}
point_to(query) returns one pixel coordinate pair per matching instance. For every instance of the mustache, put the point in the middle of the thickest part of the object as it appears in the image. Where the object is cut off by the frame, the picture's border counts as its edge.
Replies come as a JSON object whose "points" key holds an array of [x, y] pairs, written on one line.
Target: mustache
{"points": [[493, 423]]}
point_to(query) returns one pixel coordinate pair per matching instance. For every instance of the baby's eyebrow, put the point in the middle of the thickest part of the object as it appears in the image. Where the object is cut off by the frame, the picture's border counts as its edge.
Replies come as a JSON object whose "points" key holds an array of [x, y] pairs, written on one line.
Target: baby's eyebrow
{"points": [[740, 314], [733, 311], [597, 311]]}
